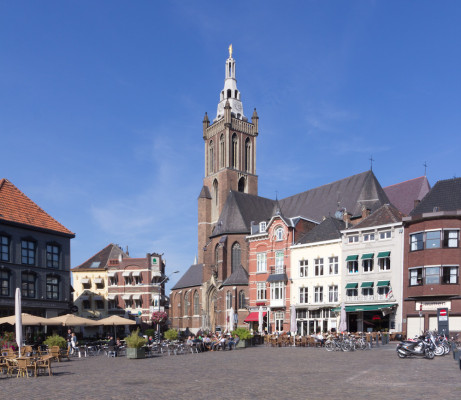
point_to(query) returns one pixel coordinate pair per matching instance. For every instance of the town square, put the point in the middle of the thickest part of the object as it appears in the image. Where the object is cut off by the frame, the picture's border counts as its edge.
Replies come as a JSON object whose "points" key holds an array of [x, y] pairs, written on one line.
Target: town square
{"points": [[246, 200]]}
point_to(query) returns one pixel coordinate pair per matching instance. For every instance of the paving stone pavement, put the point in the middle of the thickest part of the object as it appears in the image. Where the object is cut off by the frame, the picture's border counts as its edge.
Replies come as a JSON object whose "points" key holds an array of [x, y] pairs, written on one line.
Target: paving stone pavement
{"points": [[252, 373]]}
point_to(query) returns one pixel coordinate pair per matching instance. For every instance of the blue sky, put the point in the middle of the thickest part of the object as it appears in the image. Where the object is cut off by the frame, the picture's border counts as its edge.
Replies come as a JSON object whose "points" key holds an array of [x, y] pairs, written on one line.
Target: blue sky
{"points": [[101, 104]]}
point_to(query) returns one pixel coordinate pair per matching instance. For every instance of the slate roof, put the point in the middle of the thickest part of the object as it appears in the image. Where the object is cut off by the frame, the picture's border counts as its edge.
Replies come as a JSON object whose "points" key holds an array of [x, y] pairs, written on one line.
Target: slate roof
{"points": [[387, 214], [110, 252], [238, 278], [328, 229], [192, 277], [205, 193], [16, 207], [403, 194], [445, 195]]}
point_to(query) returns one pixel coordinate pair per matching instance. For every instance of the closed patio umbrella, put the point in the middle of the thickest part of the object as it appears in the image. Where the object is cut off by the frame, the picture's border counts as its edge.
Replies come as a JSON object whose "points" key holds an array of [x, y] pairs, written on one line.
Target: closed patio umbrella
{"points": [[260, 319], [18, 312], [231, 319], [343, 319]]}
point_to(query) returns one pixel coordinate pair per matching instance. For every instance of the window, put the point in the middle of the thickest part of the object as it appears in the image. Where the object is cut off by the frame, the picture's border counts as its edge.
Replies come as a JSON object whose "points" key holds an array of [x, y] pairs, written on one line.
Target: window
{"points": [[128, 280], [450, 238], [137, 279], [385, 235], [353, 239], [279, 234], [216, 192], [4, 282], [353, 267], [416, 276], [449, 275], [52, 256], [112, 280], [111, 304], [27, 252], [367, 265], [235, 256], [52, 287], [228, 299], [433, 239], [129, 303], [354, 292], [211, 157], [261, 262], [318, 267], [261, 291], [333, 294], [99, 283], [277, 291], [279, 259], [242, 302], [278, 318], [303, 268], [333, 265], [196, 304], [262, 227], [186, 303], [86, 304], [367, 237], [4, 248], [303, 295], [234, 152], [384, 263], [367, 293], [383, 292], [432, 275], [247, 155], [417, 241], [99, 304], [221, 152], [28, 285], [138, 303], [318, 294]]}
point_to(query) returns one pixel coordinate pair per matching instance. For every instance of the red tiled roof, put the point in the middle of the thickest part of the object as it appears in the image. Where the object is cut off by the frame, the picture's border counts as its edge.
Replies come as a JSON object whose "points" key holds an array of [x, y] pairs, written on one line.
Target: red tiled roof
{"points": [[15, 206], [403, 194]]}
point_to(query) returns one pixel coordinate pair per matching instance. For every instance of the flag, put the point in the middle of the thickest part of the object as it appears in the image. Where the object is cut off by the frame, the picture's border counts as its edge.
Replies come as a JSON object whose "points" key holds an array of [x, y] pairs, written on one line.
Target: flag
{"points": [[390, 294]]}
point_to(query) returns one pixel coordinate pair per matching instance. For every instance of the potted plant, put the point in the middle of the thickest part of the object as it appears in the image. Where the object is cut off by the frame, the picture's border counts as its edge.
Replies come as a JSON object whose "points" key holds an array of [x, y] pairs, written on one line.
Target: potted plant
{"points": [[171, 334], [134, 344], [244, 335], [55, 340]]}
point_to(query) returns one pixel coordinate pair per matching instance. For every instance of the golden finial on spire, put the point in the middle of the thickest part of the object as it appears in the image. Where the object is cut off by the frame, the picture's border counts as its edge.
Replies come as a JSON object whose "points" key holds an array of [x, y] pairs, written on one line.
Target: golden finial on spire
{"points": [[230, 51]]}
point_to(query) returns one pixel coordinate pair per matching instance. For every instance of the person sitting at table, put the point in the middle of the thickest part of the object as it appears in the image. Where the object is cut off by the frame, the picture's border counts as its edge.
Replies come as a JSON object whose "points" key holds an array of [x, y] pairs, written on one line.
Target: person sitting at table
{"points": [[206, 342], [150, 341]]}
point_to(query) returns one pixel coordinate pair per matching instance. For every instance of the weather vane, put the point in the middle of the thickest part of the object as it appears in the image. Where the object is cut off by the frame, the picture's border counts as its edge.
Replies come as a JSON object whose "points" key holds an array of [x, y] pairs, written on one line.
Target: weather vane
{"points": [[230, 51]]}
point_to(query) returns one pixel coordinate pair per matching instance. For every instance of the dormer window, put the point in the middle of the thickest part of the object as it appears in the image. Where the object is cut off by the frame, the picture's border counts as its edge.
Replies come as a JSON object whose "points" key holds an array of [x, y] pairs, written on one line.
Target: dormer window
{"points": [[279, 234], [262, 227]]}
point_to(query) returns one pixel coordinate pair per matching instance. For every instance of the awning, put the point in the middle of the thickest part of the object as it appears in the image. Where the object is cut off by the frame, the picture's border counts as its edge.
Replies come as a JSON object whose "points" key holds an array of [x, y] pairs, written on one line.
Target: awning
{"points": [[136, 273], [254, 317], [98, 281], [85, 281], [126, 273], [111, 274], [383, 283], [352, 285], [277, 278], [136, 297], [384, 254], [374, 307], [126, 296], [352, 258], [366, 284], [367, 256], [111, 296]]}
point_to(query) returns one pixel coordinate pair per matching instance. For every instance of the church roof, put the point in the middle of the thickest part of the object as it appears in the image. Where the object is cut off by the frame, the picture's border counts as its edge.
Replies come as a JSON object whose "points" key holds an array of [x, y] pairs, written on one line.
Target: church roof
{"points": [[205, 193], [16, 207], [403, 194], [192, 277], [238, 277], [102, 257], [328, 229], [387, 214]]}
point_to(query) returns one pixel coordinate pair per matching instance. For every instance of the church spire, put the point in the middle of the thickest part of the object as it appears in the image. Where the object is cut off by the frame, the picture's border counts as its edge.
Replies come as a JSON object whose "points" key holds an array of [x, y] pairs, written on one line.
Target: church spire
{"points": [[230, 92]]}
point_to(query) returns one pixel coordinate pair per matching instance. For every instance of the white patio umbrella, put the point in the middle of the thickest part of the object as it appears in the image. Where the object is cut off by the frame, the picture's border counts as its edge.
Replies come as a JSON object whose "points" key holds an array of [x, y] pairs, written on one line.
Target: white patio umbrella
{"points": [[18, 313], [260, 319], [343, 319]]}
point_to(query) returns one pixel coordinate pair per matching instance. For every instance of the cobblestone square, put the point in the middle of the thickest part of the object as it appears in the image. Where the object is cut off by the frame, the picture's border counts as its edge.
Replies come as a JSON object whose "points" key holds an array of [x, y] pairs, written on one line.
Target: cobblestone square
{"points": [[252, 373]]}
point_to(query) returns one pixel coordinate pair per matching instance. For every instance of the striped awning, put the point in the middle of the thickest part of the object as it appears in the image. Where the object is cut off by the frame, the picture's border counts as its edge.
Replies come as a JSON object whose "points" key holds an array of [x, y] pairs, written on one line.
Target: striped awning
{"points": [[136, 297], [126, 296], [111, 274], [126, 273]]}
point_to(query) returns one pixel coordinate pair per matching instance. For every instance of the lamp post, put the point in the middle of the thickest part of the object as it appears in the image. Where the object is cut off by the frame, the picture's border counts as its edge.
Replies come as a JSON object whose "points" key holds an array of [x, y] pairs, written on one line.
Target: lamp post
{"points": [[159, 285]]}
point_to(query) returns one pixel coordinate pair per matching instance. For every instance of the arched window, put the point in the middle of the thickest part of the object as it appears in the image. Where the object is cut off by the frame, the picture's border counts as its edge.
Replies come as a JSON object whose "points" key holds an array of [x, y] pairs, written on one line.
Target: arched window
{"points": [[186, 303], [248, 155], [222, 154], [279, 233], [228, 299], [241, 185], [241, 299], [236, 253], [234, 153], [215, 191], [5, 282], [229, 92], [211, 157], [216, 255], [196, 304]]}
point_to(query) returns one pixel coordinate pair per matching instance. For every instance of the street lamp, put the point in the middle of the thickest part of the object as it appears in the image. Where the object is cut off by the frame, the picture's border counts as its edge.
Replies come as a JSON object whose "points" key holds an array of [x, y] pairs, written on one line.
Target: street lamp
{"points": [[159, 285]]}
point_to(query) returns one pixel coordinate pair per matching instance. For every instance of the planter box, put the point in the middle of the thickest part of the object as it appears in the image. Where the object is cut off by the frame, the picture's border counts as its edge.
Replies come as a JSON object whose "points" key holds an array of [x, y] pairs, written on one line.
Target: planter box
{"points": [[135, 353], [243, 343]]}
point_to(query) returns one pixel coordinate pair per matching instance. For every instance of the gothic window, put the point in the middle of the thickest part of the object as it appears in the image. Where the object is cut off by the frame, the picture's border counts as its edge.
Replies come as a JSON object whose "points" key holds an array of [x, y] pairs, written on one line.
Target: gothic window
{"points": [[241, 299], [186, 303], [247, 155], [228, 299], [235, 256], [234, 153], [221, 152], [215, 192], [216, 255], [229, 92], [196, 304], [241, 185], [211, 158]]}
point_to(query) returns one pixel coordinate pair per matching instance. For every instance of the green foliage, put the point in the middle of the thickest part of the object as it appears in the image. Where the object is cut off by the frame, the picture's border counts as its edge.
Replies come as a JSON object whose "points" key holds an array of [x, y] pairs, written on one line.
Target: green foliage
{"points": [[56, 340], [149, 332], [171, 334], [242, 333], [134, 341]]}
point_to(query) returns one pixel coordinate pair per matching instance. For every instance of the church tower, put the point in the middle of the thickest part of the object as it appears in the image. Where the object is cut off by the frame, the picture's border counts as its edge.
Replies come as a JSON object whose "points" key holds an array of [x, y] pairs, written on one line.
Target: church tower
{"points": [[230, 155]]}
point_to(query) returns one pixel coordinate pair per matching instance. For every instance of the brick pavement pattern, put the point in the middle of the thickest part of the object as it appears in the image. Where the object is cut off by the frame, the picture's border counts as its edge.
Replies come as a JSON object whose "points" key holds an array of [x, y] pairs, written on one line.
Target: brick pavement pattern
{"points": [[252, 373]]}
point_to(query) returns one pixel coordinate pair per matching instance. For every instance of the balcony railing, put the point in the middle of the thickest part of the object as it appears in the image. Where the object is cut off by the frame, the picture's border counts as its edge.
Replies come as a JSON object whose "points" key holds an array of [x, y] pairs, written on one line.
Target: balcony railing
{"points": [[278, 269]]}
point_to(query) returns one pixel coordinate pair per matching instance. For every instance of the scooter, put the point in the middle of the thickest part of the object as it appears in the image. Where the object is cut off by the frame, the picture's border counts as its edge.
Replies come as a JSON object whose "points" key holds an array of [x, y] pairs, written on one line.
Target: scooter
{"points": [[421, 347]]}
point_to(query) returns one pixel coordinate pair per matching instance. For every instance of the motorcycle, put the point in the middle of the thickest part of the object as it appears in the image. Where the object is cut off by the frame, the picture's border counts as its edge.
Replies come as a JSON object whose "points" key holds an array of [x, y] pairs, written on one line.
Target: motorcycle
{"points": [[421, 347]]}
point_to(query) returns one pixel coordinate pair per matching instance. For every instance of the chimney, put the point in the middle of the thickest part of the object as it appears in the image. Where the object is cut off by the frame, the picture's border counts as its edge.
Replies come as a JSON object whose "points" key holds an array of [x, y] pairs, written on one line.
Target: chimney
{"points": [[365, 212], [416, 203], [346, 218]]}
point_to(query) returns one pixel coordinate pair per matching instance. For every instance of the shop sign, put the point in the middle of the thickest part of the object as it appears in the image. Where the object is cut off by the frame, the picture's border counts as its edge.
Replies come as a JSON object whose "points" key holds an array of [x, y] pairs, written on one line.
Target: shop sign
{"points": [[432, 305]]}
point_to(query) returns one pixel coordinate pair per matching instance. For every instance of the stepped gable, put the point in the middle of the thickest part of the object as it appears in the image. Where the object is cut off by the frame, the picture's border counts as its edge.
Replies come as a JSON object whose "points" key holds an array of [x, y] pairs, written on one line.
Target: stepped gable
{"points": [[444, 196], [110, 252], [404, 194], [192, 277], [328, 229], [239, 210], [351, 193], [238, 278], [16, 207], [387, 214]]}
